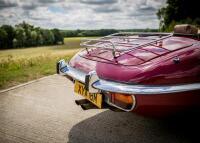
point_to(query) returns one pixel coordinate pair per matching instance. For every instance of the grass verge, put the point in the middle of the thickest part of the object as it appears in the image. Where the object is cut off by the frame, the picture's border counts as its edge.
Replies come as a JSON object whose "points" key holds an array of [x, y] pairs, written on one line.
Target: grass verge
{"points": [[22, 65], [16, 71]]}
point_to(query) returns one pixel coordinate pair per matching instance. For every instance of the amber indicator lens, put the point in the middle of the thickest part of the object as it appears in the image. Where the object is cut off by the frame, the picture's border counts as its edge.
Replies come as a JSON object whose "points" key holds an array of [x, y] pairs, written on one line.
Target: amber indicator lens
{"points": [[124, 101]]}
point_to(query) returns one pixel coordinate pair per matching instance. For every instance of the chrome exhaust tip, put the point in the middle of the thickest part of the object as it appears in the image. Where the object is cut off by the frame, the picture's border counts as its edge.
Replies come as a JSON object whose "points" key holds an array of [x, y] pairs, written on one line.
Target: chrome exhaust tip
{"points": [[81, 101], [88, 106], [85, 104]]}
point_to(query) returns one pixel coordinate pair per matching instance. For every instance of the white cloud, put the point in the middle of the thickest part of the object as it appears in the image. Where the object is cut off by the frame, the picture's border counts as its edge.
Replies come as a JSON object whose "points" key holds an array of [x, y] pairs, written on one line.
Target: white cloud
{"points": [[82, 14]]}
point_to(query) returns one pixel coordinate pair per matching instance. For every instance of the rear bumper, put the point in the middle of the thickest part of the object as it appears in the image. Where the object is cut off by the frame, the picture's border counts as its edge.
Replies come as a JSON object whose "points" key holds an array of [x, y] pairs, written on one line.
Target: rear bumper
{"points": [[95, 84]]}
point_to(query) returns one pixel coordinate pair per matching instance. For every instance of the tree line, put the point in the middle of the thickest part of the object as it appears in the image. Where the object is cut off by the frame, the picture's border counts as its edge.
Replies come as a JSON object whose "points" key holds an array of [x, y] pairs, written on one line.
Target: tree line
{"points": [[179, 12], [26, 35], [101, 32]]}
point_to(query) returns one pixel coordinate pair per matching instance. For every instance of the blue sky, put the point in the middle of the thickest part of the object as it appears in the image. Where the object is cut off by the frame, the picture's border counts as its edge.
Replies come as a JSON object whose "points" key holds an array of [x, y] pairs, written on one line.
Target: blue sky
{"points": [[82, 14]]}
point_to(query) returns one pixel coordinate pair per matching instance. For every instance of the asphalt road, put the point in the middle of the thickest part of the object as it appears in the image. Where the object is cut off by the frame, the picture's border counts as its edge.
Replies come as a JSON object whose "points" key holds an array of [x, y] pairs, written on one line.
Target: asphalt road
{"points": [[44, 111]]}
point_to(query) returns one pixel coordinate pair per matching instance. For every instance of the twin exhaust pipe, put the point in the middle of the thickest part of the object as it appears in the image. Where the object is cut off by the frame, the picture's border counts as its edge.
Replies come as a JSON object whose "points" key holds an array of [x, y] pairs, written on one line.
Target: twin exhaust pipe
{"points": [[85, 104]]}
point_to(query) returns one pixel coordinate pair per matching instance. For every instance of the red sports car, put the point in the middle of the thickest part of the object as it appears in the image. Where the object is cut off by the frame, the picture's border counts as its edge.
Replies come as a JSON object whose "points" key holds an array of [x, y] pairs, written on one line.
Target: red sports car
{"points": [[151, 74]]}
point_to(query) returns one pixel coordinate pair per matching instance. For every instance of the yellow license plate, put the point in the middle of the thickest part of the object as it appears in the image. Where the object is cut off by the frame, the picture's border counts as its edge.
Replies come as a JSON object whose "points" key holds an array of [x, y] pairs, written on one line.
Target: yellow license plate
{"points": [[95, 98]]}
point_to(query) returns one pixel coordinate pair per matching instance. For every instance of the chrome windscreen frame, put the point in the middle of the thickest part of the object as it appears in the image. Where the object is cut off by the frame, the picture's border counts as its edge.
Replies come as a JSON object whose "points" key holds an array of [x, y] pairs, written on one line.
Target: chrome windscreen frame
{"points": [[94, 84]]}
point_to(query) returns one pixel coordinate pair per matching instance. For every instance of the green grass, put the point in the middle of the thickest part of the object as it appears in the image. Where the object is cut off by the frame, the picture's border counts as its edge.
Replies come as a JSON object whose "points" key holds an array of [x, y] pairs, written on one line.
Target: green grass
{"points": [[21, 65], [75, 41]]}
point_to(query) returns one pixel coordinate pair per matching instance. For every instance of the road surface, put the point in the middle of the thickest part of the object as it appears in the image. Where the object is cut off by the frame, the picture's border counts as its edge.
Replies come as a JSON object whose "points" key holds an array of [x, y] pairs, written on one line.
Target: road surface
{"points": [[44, 111]]}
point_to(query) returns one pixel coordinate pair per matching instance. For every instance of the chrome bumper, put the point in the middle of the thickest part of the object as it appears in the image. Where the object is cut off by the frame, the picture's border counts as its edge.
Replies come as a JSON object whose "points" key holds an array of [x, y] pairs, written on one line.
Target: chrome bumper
{"points": [[94, 84]]}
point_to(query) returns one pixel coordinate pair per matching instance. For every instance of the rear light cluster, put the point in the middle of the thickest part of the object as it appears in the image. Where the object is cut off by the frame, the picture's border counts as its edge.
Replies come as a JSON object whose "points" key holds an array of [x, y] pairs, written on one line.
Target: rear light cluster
{"points": [[124, 101]]}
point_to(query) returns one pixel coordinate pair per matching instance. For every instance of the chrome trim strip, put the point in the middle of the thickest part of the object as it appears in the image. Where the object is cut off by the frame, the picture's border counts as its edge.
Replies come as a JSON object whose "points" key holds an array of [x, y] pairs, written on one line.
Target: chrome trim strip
{"points": [[143, 89], [111, 86]]}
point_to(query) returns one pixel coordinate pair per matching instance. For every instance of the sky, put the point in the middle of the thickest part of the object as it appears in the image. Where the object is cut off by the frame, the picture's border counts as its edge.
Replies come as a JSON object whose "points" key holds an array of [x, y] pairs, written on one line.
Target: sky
{"points": [[82, 14]]}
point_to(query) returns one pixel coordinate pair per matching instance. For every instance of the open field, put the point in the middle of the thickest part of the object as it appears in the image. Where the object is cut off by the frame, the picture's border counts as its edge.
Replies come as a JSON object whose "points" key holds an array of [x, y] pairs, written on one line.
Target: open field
{"points": [[21, 65]]}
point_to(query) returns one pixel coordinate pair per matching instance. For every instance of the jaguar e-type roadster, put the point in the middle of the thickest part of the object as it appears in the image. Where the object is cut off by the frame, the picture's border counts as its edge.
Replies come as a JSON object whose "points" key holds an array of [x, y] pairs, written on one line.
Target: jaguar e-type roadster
{"points": [[151, 74]]}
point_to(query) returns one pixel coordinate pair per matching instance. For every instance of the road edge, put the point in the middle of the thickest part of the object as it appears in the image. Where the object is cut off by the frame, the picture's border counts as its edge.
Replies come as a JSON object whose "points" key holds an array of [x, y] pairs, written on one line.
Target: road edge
{"points": [[24, 84]]}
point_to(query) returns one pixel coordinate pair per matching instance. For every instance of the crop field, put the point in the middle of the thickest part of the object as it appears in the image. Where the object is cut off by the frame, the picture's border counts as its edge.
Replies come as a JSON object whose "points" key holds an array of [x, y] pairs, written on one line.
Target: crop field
{"points": [[21, 65]]}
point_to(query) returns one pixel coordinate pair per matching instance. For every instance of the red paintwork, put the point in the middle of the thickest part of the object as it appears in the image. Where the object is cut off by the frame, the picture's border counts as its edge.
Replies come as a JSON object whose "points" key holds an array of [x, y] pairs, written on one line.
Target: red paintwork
{"points": [[166, 104], [161, 70], [150, 65], [149, 68]]}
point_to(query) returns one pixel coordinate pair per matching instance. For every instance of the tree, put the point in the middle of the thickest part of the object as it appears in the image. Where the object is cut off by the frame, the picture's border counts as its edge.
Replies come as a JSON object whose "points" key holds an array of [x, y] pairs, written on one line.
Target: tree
{"points": [[48, 37], [28, 30], [26, 35], [10, 35], [15, 43], [25, 26], [179, 11], [40, 40], [3, 39], [33, 38], [20, 37], [58, 37]]}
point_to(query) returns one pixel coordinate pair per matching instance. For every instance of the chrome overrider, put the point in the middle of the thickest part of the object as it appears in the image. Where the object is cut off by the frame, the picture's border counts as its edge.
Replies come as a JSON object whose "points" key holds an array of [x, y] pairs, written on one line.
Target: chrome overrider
{"points": [[95, 85]]}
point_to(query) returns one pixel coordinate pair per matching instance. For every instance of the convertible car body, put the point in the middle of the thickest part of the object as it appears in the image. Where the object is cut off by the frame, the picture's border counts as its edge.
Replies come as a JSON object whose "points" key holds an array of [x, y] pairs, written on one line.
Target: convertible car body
{"points": [[152, 74]]}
